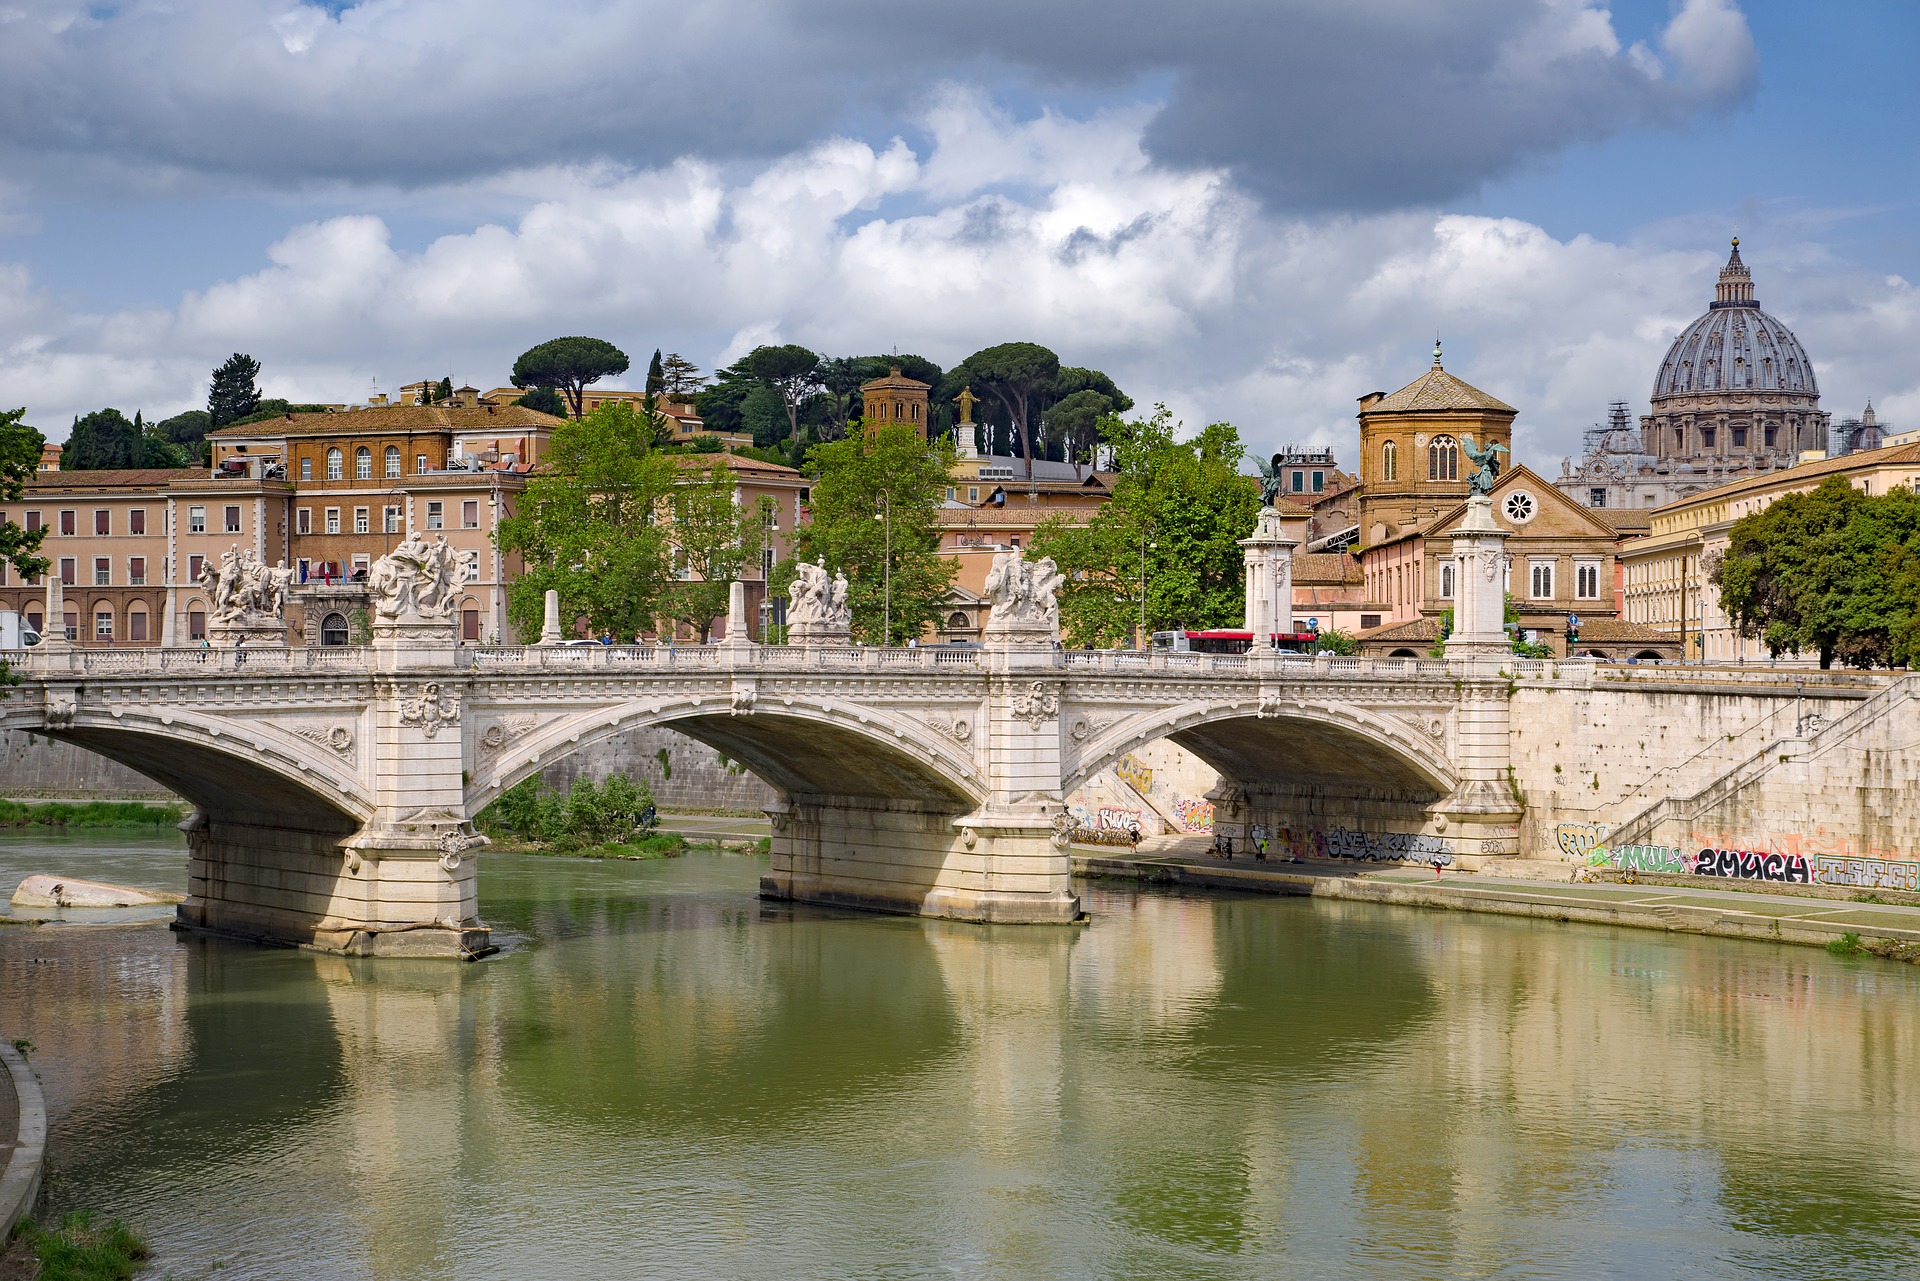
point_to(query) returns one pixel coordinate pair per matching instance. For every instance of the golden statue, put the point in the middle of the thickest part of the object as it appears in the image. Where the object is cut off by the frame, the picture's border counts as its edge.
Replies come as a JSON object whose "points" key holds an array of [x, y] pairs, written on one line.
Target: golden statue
{"points": [[965, 400]]}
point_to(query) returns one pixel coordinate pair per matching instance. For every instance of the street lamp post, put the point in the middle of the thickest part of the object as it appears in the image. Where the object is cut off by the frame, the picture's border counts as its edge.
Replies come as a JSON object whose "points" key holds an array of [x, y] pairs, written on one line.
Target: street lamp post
{"points": [[1145, 531], [885, 517]]}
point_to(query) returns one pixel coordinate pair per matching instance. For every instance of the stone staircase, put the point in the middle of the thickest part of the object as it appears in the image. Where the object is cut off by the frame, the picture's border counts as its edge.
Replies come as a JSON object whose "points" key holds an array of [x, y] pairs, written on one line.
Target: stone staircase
{"points": [[1675, 816]]}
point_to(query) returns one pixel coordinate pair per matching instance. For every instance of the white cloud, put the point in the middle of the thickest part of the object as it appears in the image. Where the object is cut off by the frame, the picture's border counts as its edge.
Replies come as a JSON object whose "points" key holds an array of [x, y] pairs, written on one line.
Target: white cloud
{"points": [[1374, 103], [1173, 281]]}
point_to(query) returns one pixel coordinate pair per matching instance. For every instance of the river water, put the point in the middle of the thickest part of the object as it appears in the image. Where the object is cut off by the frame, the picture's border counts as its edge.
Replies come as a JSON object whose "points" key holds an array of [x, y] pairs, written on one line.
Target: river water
{"points": [[664, 1077]]}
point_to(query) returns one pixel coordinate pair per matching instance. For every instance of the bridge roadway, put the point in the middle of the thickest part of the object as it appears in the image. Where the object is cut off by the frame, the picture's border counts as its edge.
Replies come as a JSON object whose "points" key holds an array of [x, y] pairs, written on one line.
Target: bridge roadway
{"points": [[334, 788]]}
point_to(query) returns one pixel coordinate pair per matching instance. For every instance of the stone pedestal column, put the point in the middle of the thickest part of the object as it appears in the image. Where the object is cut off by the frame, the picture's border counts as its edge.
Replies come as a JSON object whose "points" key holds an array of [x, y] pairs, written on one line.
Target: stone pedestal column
{"points": [[550, 624], [1483, 814], [411, 878], [1480, 585], [1269, 555]]}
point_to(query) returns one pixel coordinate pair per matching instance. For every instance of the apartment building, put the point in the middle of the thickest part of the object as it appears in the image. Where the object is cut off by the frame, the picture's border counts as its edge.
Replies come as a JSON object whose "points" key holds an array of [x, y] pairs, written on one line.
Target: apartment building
{"points": [[359, 482], [128, 546]]}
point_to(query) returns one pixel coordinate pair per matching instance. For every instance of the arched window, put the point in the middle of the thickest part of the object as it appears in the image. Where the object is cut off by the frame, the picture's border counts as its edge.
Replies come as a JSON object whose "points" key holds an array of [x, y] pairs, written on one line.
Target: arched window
{"points": [[363, 463], [1389, 461], [1443, 459], [334, 458], [393, 460], [1446, 581], [333, 630]]}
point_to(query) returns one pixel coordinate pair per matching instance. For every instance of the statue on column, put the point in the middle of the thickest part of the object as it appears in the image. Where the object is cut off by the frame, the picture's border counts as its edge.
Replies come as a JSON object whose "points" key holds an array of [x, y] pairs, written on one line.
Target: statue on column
{"points": [[246, 600], [1024, 599], [818, 612], [418, 581], [1486, 464]]}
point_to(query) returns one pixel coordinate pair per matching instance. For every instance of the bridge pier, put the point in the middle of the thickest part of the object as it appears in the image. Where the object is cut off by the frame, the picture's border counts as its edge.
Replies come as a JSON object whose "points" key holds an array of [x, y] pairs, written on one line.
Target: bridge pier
{"points": [[896, 856], [360, 895]]}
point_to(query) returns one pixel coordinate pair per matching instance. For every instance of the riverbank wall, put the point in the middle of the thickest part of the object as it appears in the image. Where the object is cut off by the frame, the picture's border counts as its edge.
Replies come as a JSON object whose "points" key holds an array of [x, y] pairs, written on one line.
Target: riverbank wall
{"points": [[23, 1138], [683, 774], [1777, 918]]}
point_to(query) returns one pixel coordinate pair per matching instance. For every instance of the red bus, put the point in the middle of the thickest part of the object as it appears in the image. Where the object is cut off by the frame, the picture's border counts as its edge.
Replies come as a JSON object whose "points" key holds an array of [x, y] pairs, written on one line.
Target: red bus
{"points": [[1225, 641]]}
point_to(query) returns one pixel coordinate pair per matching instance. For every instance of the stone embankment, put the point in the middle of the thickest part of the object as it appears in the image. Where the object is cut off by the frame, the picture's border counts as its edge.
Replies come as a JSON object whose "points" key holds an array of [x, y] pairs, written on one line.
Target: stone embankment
{"points": [[1747, 912], [23, 1138]]}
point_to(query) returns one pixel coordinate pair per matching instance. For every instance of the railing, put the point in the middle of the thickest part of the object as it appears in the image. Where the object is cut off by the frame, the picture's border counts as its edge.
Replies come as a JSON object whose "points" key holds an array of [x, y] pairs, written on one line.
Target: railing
{"points": [[150, 660]]}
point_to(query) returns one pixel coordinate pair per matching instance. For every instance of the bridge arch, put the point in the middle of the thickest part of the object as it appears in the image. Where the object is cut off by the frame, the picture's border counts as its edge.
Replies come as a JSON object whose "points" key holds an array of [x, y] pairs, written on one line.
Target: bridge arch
{"points": [[802, 747], [1320, 746], [243, 770]]}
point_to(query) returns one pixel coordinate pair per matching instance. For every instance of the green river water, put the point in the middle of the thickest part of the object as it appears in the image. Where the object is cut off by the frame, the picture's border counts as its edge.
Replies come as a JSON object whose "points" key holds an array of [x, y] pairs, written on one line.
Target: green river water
{"points": [[662, 1076]]}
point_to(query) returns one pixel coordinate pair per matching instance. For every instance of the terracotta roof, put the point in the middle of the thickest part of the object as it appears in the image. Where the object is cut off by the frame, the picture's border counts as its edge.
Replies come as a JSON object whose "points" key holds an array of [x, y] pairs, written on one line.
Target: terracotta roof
{"points": [[1437, 390], [735, 463], [395, 418], [1894, 455], [960, 515], [894, 378], [1626, 520], [125, 478], [1321, 569], [1415, 629], [1618, 631]]}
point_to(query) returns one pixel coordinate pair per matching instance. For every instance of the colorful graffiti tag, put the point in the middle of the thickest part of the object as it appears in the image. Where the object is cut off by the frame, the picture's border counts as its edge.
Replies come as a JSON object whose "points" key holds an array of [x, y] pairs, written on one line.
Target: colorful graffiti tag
{"points": [[1754, 865], [1132, 771], [1866, 873], [1577, 840], [1195, 815], [1352, 843], [1640, 858], [1111, 819]]}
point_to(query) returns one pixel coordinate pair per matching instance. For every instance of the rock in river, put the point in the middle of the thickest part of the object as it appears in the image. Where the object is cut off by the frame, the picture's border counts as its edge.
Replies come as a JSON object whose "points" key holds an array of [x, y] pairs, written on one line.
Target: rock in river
{"points": [[68, 891]]}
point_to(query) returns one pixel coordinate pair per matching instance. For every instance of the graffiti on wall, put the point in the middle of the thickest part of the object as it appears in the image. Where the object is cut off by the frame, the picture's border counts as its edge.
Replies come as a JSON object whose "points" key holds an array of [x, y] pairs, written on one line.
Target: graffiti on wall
{"points": [[1113, 819], [1640, 858], [1370, 847], [1586, 843], [1577, 840], [1754, 865], [1866, 873], [1195, 815], [1132, 771]]}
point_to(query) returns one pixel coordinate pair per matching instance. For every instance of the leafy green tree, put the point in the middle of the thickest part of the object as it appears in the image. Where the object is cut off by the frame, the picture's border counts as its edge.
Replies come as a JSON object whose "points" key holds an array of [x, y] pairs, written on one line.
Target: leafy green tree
{"points": [[656, 375], [1075, 423], [877, 492], [679, 377], [104, 440], [714, 538], [1018, 375], [792, 373], [569, 366], [590, 526], [20, 447], [1336, 642], [545, 400], [1173, 527], [1789, 569], [232, 394], [444, 390], [187, 432], [841, 376]]}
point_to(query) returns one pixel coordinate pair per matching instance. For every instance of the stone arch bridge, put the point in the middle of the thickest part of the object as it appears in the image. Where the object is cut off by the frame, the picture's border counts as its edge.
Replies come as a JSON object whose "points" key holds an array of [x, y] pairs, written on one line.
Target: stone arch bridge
{"points": [[334, 788]]}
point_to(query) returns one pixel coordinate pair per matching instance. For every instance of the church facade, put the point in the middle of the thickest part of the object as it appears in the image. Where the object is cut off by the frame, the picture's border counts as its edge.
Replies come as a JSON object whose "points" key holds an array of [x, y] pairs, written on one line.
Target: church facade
{"points": [[1734, 397]]}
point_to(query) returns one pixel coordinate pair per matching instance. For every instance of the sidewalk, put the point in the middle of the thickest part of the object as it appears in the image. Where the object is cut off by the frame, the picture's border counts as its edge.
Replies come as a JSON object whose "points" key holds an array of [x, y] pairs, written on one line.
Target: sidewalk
{"points": [[731, 829], [1685, 909]]}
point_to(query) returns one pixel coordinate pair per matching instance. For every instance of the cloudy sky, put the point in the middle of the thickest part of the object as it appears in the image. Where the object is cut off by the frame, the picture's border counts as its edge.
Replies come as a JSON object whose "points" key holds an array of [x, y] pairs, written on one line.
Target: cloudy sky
{"points": [[1254, 210]]}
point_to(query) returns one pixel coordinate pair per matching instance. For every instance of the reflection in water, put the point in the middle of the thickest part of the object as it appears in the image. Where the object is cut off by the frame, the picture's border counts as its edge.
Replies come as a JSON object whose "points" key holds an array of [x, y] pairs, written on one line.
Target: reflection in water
{"points": [[665, 1077]]}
